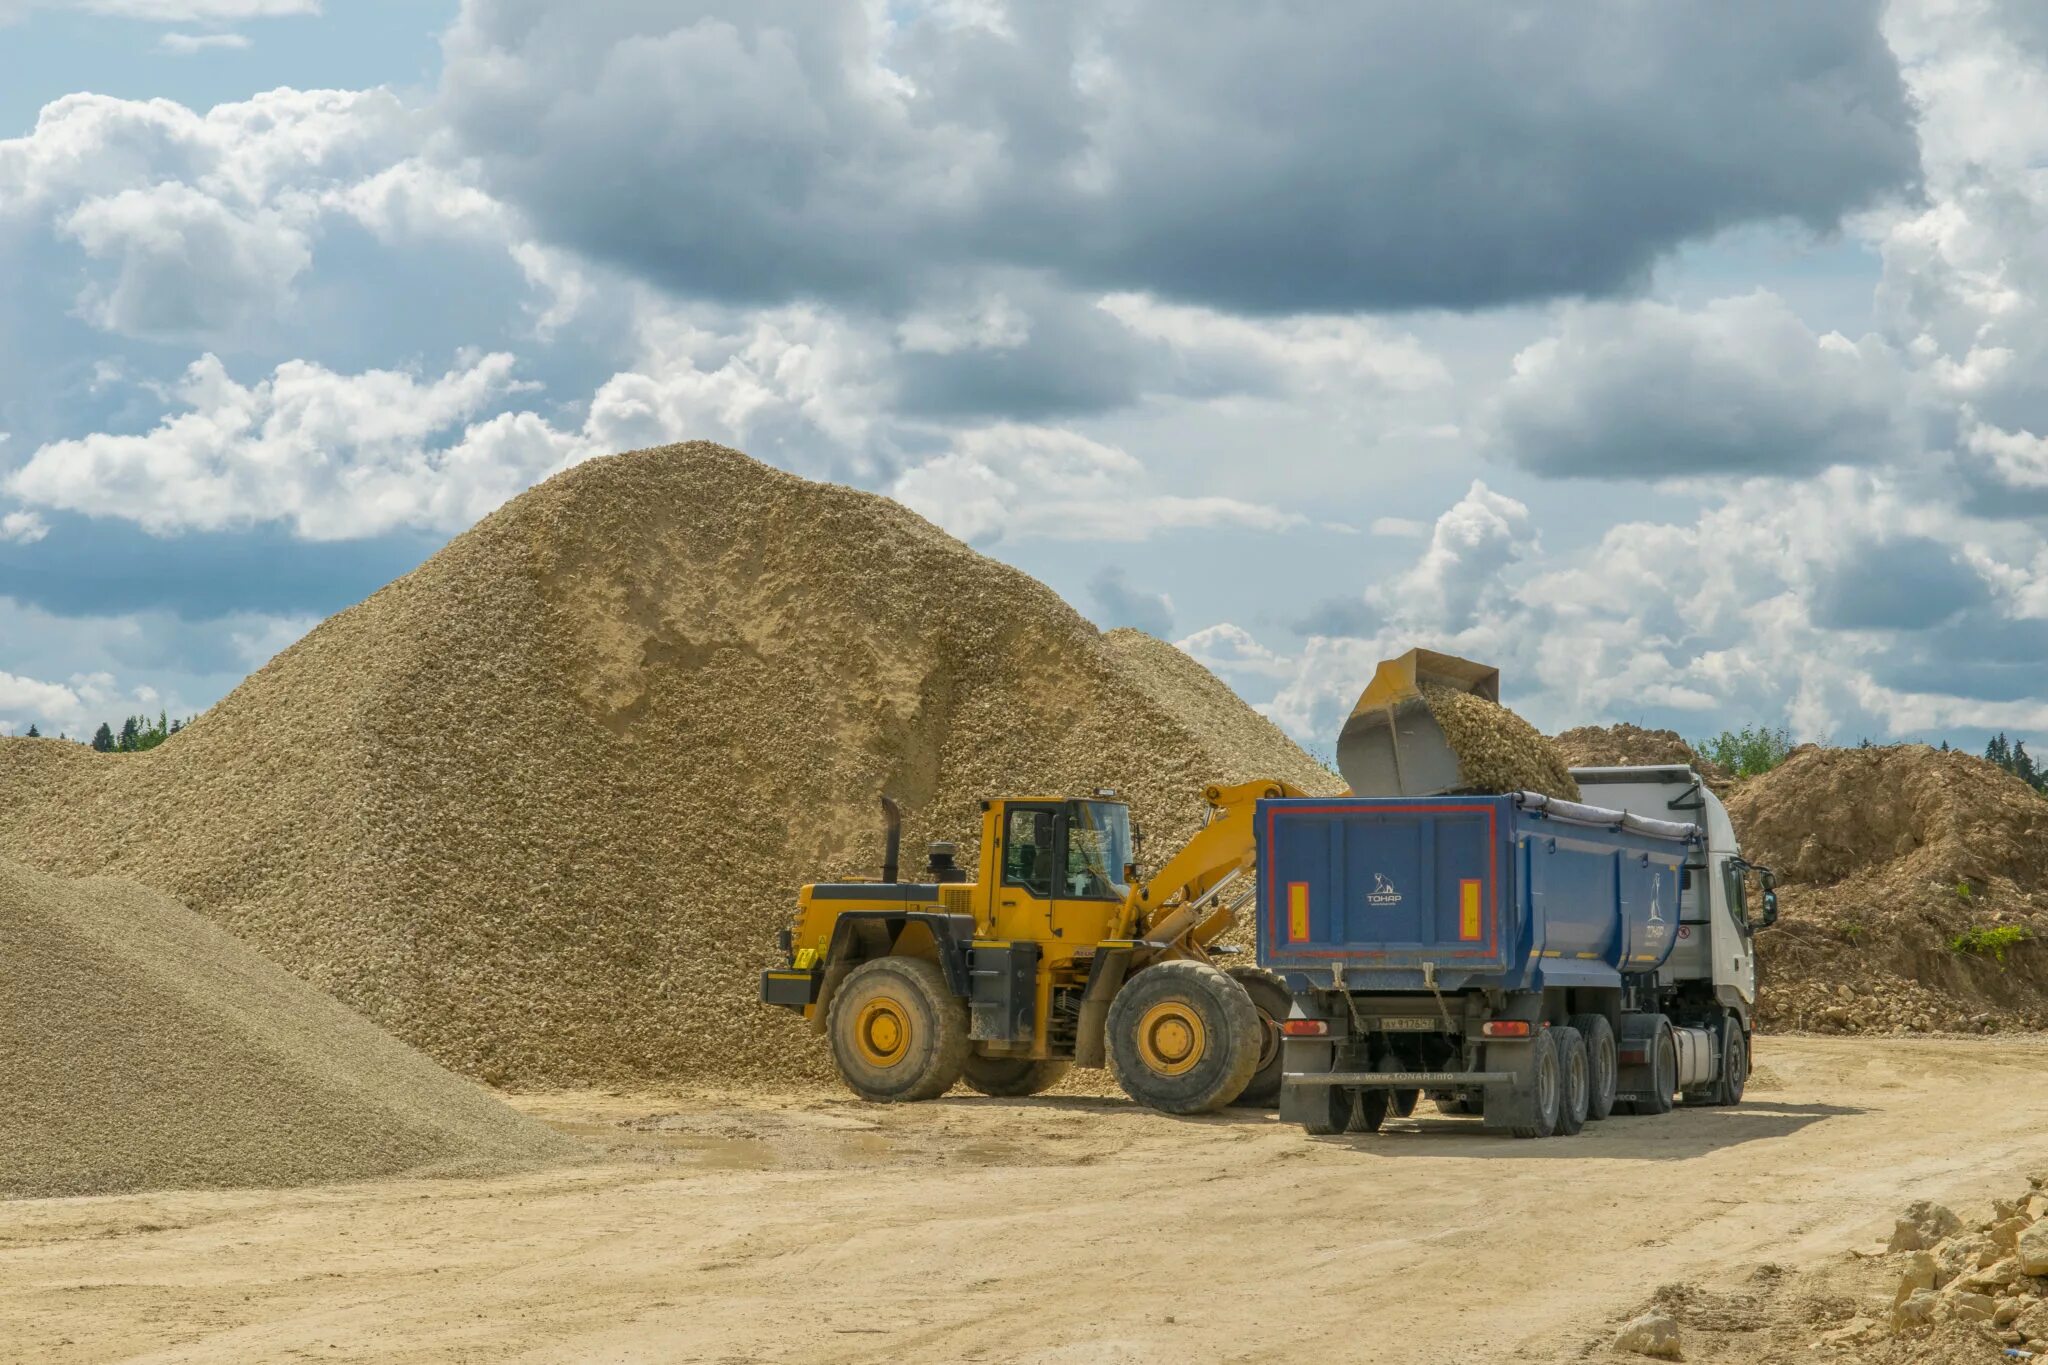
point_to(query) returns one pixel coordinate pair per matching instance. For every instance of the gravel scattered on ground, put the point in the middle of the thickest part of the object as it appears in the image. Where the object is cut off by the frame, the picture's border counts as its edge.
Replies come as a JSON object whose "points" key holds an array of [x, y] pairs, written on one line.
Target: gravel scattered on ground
{"points": [[540, 806], [147, 1049]]}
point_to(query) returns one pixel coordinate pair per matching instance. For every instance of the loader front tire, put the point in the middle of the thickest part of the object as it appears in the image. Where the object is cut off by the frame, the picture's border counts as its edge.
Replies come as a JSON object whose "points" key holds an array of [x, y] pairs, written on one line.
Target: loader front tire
{"points": [[1272, 1001], [897, 1030], [1183, 1037], [1007, 1077]]}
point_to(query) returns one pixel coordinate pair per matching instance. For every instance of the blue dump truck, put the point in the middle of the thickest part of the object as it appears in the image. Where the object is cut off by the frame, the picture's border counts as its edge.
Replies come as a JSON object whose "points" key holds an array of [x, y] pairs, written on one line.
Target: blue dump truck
{"points": [[1538, 962]]}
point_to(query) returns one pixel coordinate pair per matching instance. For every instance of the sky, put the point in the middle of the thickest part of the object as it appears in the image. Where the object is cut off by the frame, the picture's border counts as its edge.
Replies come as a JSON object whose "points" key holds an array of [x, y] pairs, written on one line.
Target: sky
{"points": [[1685, 361]]}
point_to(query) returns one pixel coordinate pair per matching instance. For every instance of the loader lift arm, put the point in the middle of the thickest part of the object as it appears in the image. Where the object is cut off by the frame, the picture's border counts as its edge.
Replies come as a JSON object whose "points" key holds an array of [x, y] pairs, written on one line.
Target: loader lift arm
{"points": [[1193, 897]]}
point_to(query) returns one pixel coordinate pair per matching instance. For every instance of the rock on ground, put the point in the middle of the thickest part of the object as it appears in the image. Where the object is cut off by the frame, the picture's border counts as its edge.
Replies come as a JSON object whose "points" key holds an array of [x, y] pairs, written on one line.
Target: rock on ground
{"points": [[1651, 1334]]}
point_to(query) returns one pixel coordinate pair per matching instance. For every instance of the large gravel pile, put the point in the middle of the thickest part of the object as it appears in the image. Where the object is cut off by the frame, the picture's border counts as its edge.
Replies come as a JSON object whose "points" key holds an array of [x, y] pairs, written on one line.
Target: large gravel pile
{"points": [[1886, 858], [146, 1049], [1497, 750], [540, 806], [1631, 746]]}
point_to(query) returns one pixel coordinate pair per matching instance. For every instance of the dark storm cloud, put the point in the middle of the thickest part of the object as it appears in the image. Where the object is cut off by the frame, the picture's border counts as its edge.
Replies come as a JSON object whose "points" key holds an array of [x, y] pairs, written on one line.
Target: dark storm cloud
{"points": [[1118, 603], [1905, 584], [1262, 157]]}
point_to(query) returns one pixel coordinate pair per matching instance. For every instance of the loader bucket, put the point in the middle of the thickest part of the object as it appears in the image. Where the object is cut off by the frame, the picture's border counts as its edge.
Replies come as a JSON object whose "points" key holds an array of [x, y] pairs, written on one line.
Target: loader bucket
{"points": [[1391, 745]]}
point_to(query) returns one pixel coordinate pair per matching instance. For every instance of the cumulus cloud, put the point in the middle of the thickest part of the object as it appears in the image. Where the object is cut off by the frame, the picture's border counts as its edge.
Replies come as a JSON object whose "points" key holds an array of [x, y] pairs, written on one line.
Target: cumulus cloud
{"points": [[1014, 482], [1498, 160], [188, 265], [23, 528], [1646, 390], [1118, 602], [332, 455]]}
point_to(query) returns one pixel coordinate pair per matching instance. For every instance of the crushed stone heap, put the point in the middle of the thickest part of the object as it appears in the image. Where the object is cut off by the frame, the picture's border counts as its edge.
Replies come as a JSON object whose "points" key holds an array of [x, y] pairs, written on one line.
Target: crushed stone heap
{"points": [[1913, 886], [540, 806], [147, 1049], [1632, 746], [1497, 750]]}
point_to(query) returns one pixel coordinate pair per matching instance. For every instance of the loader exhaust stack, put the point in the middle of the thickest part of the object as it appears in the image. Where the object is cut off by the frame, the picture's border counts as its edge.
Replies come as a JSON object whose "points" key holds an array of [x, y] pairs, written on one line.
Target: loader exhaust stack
{"points": [[892, 848], [1391, 744]]}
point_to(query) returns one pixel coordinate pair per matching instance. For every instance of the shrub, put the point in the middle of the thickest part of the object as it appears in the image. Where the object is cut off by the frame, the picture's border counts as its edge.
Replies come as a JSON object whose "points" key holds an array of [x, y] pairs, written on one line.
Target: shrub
{"points": [[1746, 752], [1994, 943]]}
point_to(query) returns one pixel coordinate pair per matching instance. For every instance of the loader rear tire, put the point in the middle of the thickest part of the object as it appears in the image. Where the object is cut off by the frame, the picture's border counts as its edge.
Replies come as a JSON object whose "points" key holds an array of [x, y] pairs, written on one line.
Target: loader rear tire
{"points": [[897, 1030], [1271, 999], [1007, 1077], [1602, 1067], [1183, 1037]]}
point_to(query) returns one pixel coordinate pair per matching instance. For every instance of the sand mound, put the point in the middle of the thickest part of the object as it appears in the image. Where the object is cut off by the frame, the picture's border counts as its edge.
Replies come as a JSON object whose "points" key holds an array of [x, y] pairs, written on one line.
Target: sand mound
{"points": [[540, 806], [1497, 750], [1885, 858], [1626, 746], [146, 1049]]}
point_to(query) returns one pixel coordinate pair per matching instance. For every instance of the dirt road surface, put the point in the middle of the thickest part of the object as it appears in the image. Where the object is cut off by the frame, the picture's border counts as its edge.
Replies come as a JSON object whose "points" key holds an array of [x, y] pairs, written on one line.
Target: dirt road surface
{"points": [[807, 1227]]}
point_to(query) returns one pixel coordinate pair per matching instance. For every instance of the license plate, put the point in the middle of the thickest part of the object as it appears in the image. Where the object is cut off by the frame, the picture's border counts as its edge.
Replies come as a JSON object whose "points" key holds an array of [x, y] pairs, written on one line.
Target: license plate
{"points": [[1409, 1023]]}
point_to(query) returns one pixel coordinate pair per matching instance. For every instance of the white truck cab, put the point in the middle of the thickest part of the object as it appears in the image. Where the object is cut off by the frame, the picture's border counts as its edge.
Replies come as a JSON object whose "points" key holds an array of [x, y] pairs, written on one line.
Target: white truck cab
{"points": [[1718, 915]]}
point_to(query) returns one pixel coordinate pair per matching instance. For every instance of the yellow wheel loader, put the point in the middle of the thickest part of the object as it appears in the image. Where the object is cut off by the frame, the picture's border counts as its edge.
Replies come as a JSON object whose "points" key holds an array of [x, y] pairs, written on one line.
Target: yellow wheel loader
{"points": [[1054, 952]]}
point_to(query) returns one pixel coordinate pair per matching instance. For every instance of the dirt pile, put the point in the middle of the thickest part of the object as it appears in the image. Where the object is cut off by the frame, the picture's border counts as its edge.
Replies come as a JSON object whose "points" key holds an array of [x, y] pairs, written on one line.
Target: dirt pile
{"points": [[147, 1049], [1631, 746], [1913, 886], [540, 806], [1497, 750]]}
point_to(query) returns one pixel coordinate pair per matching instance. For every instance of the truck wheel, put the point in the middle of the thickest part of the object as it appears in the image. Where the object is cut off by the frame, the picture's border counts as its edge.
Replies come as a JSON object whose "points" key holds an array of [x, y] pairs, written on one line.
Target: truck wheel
{"points": [[1601, 1066], [1183, 1037], [1734, 1063], [1663, 1073], [1004, 1077], [1400, 1103], [1271, 999], [1329, 1110], [1545, 1088], [1369, 1112], [1572, 1080], [897, 1030]]}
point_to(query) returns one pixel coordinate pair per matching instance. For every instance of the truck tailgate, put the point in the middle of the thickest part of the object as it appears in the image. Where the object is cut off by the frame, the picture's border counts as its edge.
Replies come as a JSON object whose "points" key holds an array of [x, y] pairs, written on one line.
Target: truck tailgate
{"points": [[1387, 884]]}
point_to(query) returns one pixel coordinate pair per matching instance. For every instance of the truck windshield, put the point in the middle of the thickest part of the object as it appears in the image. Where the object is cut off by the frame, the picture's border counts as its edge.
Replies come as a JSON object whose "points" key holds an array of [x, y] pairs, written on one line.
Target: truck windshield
{"points": [[1098, 847]]}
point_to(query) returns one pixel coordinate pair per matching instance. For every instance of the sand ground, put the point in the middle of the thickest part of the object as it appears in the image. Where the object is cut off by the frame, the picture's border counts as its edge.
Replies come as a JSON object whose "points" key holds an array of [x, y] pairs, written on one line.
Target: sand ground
{"points": [[803, 1226]]}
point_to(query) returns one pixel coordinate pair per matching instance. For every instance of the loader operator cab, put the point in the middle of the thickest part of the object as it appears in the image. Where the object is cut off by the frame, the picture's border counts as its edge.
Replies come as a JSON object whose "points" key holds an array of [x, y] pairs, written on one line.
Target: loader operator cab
{"points": [[1067, 850]]}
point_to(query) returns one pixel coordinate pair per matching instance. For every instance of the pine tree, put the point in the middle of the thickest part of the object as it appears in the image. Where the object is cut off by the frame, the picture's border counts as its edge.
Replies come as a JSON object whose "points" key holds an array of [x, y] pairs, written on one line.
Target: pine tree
{"points": [[1944, 746], [131, 731], [2023, 765], [103, 739], [1997, 751], [33, 733]]}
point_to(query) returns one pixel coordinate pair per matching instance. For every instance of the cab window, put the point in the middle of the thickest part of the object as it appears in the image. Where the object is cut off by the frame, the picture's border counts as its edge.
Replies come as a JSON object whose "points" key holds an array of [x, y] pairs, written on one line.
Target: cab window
{"points": [[1028, 850], [1738, 900], [1098, 848]]}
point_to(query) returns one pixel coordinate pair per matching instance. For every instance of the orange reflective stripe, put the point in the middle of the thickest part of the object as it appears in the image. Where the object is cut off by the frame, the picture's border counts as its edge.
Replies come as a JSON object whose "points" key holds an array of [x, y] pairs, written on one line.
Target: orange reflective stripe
{"points": [[1468, 910], [1297, 912]]}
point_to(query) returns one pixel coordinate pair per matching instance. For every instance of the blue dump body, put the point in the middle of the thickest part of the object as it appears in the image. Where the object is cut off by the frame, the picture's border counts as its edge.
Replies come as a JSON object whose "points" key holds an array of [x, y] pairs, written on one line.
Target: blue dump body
{"points": [[1510, 892]]}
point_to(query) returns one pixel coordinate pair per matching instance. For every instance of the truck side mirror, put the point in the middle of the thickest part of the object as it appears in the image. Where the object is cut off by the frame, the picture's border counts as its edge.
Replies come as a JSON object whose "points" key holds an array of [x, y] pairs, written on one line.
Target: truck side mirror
{"points": [[1770, 914]]}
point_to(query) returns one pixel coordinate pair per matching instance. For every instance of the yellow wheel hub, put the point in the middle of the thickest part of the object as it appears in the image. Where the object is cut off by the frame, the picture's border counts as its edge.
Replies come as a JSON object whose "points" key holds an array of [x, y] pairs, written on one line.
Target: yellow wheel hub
{"points": [[881, 1032], [1171, 1038]]}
